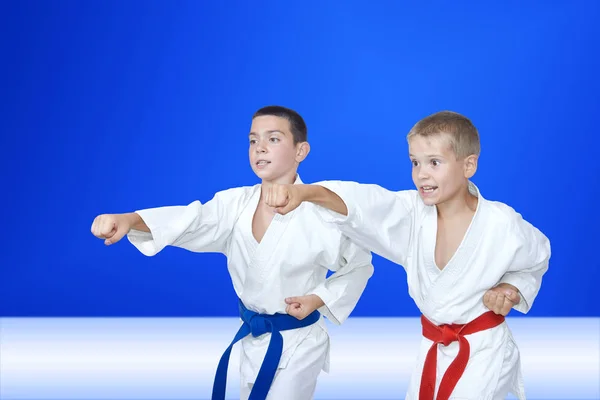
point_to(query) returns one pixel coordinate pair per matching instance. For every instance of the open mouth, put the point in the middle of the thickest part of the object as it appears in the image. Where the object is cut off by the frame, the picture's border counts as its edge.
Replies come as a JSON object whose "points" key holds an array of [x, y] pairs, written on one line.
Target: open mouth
{"points": [[428, 189], [262, 163]]}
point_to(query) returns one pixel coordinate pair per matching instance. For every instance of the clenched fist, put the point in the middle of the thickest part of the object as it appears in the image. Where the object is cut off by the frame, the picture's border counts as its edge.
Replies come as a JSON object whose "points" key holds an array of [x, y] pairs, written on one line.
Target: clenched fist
{"points": [[301, 307], [284, 198], [501, 298], [112, 227]]}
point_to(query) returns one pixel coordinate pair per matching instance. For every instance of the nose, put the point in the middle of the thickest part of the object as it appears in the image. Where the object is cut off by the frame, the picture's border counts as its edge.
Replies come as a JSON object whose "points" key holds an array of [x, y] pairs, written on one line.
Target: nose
{"points": [[260, 148], [422, 173]]}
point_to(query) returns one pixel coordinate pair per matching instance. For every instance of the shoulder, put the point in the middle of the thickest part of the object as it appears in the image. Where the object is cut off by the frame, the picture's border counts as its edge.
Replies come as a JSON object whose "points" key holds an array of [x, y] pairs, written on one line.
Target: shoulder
{"points": [[511, 222], [502, 212]]}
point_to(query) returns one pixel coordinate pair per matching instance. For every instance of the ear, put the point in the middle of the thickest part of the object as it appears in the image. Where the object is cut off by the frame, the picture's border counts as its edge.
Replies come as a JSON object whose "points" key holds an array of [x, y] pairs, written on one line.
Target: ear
{"points": [[302, 150], [470, 165]]}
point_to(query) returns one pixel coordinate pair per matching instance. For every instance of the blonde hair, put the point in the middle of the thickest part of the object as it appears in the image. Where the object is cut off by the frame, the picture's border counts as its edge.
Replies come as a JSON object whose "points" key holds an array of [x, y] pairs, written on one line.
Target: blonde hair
{"points": [[462, 134]]}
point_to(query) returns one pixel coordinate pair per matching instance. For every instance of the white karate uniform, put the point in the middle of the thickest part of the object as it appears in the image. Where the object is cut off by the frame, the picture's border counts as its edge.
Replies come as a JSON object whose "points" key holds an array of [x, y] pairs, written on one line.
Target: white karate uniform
{"points": [[292, 259], [499, 246]]}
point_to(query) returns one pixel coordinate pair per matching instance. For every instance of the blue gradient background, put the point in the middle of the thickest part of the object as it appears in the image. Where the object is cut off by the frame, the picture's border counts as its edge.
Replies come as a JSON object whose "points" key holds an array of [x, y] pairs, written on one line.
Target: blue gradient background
{"points": [[115, 106], [175, 358]]}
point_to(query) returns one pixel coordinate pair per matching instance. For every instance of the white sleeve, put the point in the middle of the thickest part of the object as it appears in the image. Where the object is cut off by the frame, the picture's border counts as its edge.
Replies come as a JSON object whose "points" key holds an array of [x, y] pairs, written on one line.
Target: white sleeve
{"points": [[379, 220], [196, 227], [531, 254], [342, 290]]}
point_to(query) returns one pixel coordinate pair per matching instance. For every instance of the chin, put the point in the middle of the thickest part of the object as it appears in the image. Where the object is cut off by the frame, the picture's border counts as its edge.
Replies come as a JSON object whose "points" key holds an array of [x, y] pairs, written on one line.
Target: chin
{"points": [[264, 175], [430, 201]]}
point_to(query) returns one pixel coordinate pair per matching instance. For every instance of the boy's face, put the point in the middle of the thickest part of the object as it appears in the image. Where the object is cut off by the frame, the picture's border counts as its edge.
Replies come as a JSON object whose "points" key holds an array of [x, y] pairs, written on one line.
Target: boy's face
{"points": [[436, 172], [273, 155]]}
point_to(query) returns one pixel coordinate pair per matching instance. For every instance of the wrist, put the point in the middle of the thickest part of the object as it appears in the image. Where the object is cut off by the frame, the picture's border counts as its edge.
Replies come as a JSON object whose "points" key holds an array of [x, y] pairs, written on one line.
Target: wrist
{"points": [[317, 301], [133, 221], [305, 192], [316, 194]]}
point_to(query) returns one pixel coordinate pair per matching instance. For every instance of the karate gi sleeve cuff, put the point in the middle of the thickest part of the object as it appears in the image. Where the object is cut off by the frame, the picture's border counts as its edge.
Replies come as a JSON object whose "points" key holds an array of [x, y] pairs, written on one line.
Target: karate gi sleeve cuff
{"points": [[148, 243], [329, 299], [525, 291]]}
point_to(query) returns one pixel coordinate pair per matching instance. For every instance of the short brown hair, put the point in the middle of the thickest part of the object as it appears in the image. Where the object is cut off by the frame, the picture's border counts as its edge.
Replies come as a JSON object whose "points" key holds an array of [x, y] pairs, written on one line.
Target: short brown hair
{"points": [[297, 124], [464, 138]]}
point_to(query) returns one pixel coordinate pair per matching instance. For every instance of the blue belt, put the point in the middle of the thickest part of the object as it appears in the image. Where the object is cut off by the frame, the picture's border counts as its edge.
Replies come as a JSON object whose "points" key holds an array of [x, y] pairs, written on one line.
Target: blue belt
{"points": [[259, 324]]}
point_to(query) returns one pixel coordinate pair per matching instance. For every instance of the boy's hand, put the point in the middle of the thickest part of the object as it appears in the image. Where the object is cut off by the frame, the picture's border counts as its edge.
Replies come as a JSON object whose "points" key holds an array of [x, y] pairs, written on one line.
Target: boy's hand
{"points": [[301, 306], [284, 198], [502, 298], [112, 227]]}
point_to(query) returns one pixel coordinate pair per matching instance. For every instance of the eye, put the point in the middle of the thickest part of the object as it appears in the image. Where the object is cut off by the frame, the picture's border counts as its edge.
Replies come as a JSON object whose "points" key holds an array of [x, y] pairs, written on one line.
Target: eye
{"points": [[274, 140], [252, 141], [435, 163], [415, 163]]}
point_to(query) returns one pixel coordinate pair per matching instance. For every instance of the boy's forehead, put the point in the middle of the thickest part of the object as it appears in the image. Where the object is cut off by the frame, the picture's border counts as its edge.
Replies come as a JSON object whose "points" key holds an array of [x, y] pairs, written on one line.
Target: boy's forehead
{"points": [[266, 123], [438, 144]]}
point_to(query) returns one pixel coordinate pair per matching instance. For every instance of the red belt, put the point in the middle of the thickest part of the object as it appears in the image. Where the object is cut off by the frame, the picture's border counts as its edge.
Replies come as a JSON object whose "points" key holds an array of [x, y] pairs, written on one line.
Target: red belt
{"points": [[446, 334]]}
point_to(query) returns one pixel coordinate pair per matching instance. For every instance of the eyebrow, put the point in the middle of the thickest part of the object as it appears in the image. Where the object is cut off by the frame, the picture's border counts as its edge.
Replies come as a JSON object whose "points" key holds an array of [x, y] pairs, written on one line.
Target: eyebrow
{"points": [[428, 155], [269, 132]]}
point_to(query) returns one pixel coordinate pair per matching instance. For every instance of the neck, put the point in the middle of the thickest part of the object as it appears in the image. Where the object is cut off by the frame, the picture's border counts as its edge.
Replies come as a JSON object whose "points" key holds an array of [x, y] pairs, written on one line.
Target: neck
{"points": [[464, 203]]}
